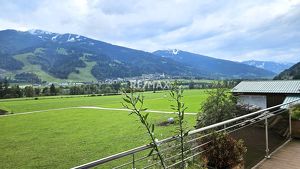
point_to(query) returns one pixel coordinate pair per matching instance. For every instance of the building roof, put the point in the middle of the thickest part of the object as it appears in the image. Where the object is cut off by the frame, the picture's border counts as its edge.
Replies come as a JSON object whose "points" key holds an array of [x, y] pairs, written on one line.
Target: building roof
{"points": [[270, 86], [288, 99]]}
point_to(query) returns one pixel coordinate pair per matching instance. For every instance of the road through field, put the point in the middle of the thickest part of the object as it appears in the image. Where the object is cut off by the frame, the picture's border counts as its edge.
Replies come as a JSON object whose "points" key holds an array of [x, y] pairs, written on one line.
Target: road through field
{"points": [[94, 107]]}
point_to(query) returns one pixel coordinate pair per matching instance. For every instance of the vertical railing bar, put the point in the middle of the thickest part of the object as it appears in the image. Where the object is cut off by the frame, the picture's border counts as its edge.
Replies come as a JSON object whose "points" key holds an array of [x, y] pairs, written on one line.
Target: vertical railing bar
{"points": [[133, 161], [290, 125], [267, 138]]}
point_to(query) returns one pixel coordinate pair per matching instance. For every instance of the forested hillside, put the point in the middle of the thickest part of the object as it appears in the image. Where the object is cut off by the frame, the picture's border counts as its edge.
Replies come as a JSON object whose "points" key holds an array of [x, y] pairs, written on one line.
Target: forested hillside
{"points": [[291, 73]]}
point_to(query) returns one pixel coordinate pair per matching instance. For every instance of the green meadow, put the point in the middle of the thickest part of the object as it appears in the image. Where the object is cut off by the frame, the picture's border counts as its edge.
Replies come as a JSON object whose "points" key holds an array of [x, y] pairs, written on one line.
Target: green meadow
{"points": [[59, 134]]}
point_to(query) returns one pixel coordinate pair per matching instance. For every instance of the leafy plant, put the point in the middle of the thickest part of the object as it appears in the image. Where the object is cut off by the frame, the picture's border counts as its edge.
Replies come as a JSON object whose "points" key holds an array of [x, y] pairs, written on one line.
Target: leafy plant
{"points": [[179, 107], [295, 112], [135, 104], [224, 151], [219, 106]]}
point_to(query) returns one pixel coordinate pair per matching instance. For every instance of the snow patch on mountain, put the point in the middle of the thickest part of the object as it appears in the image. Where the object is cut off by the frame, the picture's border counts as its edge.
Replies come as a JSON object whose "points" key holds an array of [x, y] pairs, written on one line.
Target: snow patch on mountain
{"points": [[45, 35], [54, 37]]}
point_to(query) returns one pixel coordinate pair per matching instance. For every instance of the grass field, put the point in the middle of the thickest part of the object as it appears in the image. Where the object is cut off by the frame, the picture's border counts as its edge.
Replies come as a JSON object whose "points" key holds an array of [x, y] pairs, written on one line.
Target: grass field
{"points": [[69, 137]]}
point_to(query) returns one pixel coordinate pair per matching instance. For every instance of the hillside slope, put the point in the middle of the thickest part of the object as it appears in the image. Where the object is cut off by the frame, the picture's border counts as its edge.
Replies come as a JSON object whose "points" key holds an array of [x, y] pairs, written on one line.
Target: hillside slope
{"points": [[291, 73]]}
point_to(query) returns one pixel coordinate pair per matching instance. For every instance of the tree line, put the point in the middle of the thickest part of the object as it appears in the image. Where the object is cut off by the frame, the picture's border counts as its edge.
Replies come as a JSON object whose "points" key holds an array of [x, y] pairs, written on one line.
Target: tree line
{"points": [[15, 91]]}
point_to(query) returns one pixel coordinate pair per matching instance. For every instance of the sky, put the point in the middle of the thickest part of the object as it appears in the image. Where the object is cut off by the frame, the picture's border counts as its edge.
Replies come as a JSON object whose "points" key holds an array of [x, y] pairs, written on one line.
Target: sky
{"points": [[226, 29]]}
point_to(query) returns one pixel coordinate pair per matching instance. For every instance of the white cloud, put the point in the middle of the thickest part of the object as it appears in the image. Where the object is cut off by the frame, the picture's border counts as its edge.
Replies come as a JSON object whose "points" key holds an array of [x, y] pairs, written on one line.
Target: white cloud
{"points": [[256, 29]]}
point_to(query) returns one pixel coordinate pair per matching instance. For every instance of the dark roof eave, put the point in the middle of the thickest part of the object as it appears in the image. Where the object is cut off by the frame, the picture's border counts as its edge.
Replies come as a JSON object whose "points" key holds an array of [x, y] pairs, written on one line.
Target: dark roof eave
{"points": [[263, 93]]}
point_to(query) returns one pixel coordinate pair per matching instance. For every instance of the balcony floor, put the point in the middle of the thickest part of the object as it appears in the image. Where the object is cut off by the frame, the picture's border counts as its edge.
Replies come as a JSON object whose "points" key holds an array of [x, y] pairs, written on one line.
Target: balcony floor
{"points": [[288, 157]]}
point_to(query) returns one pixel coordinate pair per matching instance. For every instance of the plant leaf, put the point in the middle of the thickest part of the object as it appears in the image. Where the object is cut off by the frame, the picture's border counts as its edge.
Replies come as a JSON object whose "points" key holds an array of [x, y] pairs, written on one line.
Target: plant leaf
{"points": [[152, 128], [126, 100], [146, 116]]}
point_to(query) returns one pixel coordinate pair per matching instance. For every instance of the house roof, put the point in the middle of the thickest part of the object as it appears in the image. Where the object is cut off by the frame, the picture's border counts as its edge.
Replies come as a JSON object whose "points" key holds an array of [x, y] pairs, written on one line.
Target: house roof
{"points": [[288, 99], [270, 86]]}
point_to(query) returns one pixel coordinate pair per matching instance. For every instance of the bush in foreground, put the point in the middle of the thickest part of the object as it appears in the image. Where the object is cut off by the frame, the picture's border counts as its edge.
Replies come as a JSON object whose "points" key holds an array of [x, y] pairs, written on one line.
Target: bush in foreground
{"points": [[224, 151], [295, 112], [219, 106]]}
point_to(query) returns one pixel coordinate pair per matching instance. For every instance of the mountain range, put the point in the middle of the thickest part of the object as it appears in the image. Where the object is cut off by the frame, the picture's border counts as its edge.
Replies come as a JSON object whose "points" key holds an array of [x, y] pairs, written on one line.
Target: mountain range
{"points": [[269, 65], [214, 67], [291, 73], [57, 57]]}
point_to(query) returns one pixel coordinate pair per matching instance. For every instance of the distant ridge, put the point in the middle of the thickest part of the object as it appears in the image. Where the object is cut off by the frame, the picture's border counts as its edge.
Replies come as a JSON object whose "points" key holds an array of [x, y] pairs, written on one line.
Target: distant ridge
{"points": [[213, 66], [269, 65]]}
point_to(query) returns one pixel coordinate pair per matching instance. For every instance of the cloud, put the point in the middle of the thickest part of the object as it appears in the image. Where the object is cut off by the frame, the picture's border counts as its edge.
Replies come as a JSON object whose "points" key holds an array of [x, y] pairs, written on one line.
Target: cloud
{"points": [[236, 30]]}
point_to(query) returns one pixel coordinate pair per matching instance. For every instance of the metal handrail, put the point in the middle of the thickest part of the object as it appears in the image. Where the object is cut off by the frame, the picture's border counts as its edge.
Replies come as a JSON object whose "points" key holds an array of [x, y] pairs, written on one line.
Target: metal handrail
{"points": [[169, 139], [239, 118], [113, 157]]}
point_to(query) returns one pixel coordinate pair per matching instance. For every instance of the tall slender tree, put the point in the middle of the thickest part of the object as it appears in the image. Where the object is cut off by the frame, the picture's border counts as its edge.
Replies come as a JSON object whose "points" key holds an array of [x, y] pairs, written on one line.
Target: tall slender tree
{"points": [[1, 89], [6, 85], [52, 90]]}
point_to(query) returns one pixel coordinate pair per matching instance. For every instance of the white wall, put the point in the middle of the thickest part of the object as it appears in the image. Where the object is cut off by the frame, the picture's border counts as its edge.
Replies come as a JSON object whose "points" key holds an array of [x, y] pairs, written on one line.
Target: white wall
{"points": [[258, 100]]}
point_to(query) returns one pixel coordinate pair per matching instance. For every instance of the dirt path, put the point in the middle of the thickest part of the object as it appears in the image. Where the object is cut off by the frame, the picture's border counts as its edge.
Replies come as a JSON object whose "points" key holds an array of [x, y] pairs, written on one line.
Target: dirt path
{"points": [[92, 107]]}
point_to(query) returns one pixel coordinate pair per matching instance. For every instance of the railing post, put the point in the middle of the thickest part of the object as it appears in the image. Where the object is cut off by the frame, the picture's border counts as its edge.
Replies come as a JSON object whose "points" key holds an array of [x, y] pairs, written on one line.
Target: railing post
{"points": [[290, 125], [133, 161], [267, 137]]}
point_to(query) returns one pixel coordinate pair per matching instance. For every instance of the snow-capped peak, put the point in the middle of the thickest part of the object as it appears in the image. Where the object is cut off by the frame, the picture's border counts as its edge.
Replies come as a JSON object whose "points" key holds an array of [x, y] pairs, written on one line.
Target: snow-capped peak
{"points": [[39, 32], [57, 37], [174, 51]]}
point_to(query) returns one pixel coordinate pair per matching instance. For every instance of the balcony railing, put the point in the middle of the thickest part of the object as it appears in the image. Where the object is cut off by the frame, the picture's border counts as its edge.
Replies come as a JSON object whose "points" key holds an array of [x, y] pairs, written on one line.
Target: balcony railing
{"points": [[263, 132]]}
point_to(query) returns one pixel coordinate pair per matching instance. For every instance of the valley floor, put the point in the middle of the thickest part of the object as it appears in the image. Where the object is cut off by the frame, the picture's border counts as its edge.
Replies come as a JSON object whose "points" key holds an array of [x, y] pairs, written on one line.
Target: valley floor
{"points": [[59, 132]]}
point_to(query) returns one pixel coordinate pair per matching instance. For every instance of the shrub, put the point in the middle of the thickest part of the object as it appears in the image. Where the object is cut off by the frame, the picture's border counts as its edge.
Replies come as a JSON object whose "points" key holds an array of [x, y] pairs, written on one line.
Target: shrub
{"points": [[295, 112], [219, 106], [224, 151], [243, 109]]}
